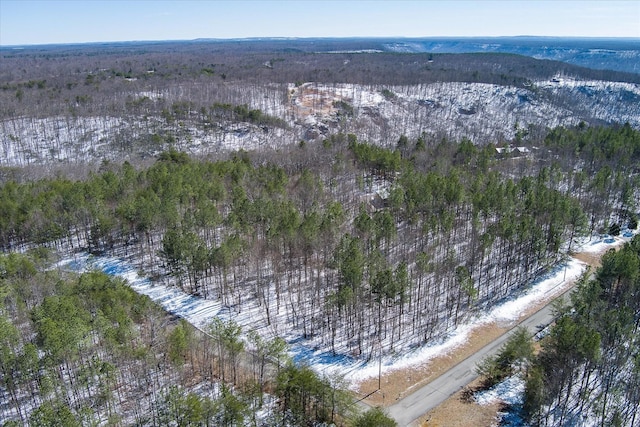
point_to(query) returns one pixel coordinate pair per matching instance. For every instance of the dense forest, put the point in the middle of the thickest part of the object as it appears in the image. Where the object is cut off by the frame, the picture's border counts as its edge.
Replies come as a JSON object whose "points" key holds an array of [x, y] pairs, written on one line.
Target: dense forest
{"points": [[346, 234], [87, 350], [78, 105], [276, 61], [586, 372], [359, 248]]}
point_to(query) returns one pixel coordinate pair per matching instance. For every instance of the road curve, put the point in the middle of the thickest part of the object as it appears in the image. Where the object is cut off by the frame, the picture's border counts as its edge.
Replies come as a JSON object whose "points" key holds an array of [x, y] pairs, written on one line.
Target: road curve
{"points": [[407, 411]]}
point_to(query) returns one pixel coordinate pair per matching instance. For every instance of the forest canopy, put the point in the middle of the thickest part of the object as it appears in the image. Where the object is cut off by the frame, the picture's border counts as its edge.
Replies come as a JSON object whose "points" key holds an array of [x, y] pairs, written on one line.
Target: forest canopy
{"points": [[404, 235], [360, 205]]}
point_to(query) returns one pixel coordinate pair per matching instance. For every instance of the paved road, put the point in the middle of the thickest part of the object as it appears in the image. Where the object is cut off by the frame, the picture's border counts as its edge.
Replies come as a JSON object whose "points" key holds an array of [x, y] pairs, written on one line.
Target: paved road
{"points": [[407, 411]]}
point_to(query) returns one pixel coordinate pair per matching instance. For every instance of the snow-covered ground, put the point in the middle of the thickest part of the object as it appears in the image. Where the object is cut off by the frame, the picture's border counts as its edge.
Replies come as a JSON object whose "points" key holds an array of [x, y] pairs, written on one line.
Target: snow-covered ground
{"points": [[479, 111], [55, 140], [200, 312], [511, 390], [506, 313], [377, 114]]}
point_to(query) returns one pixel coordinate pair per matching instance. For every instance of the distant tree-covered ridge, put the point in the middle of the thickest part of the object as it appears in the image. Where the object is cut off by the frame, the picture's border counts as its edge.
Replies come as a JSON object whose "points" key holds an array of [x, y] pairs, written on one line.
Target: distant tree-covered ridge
{"points": [[286, 61], [63, 105], [359, 249]]}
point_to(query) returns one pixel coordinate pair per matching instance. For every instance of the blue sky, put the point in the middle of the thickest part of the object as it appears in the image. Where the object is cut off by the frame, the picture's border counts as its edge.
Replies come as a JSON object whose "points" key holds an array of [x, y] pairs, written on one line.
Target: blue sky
{"points": [[79, 21]]}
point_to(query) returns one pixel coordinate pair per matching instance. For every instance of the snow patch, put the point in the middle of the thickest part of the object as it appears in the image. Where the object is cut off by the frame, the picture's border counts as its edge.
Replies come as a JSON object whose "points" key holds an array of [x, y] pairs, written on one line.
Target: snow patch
{"points": [[547, 286], [602, 243], [510, 391]]}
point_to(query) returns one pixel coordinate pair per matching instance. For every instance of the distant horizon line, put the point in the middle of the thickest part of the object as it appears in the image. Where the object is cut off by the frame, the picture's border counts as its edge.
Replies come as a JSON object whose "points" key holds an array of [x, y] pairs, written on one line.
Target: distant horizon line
{"points": [[285, 38]]}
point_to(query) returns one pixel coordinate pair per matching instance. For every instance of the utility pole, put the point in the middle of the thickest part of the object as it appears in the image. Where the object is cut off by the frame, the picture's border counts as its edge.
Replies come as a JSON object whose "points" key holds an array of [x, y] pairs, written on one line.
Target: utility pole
{"points": [[379, 362]]}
